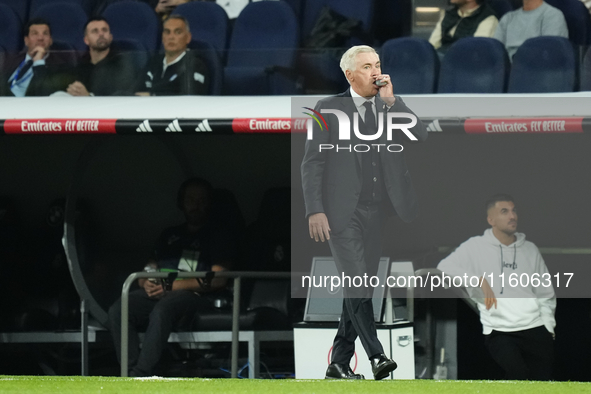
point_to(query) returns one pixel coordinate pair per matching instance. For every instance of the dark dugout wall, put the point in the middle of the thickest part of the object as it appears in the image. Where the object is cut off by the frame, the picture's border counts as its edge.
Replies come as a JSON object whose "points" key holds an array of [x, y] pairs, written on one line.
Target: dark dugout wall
{"points": [[128, 195]]}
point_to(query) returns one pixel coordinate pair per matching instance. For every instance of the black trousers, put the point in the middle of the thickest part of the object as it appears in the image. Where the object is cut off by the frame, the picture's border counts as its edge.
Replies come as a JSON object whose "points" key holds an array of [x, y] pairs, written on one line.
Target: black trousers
{"points": [[357, 251], [523, 355], [158, 317]]}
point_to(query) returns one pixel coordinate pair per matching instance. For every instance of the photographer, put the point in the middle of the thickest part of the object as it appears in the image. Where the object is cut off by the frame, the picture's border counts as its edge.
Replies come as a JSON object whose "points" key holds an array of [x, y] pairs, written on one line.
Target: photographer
{"points": [[197, 245]]}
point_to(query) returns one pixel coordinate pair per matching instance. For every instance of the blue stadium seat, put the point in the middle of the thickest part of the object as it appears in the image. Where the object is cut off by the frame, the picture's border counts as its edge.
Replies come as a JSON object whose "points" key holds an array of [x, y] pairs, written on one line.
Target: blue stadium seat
{"points": [[412, 64], [297, 6], [134, 21], [208, 22], [474, 65], [543, 65], [10, 29], [20, 8], [87, 5], [67, 22], [586, 72], [65, 51], [214, 64], [501, 7], [134, 51], [262, 50], [577, 18]]}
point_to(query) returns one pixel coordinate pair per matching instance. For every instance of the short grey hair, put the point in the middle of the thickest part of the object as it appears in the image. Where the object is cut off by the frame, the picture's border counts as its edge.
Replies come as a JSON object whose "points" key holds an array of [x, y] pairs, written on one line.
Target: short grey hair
{"points": [[179, 17], [348, 58]]}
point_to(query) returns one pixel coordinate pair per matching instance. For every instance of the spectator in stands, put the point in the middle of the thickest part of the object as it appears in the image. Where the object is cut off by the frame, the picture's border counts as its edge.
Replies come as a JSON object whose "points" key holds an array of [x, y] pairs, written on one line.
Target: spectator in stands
{"points": [[200, 244], [162, 7], [519, 324], [466, 18], [103, 71], [166, 7], [536, 18], [38, 71], [179, 71], [233, 7]]}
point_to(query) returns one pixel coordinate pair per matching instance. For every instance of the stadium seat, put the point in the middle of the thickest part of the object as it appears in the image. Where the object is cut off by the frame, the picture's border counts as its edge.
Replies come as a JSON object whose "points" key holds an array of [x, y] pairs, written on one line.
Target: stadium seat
{"points": [[66, 52], [208, 23], [133, 21], [67, 22], [134, 51], [20, 8], [474, 65], [297, 6], [262, 51], [586, 72], [87, 5], [543, 65], [501, 7], [10, 29], [577, 18], [214, 64], [412, 63]]}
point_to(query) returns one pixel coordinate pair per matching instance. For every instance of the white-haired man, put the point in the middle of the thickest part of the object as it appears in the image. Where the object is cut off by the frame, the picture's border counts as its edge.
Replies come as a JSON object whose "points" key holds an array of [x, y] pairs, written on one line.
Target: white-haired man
{"points": [[348, 190]]}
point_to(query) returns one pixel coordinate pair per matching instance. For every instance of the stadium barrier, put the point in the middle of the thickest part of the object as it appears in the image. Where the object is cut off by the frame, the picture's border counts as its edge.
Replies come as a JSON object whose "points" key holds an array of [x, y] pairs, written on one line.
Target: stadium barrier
{"points": [[236, 336]]}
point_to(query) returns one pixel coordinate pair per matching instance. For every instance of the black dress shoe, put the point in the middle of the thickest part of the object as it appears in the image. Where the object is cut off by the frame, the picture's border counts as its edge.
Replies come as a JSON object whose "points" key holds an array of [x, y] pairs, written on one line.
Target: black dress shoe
{"points": [[340, 371], [382, 366]]}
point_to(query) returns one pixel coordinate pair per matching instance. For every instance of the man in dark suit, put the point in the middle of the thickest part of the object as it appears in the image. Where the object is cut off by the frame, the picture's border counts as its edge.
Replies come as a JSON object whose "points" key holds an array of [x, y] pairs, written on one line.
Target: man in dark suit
{"points": [[38, 72], [179, 71], [349, 184]]}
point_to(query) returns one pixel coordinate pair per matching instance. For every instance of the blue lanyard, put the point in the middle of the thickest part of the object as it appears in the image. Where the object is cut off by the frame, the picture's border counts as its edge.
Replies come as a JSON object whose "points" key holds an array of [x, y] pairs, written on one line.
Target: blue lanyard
{"points": [[18, 72]]}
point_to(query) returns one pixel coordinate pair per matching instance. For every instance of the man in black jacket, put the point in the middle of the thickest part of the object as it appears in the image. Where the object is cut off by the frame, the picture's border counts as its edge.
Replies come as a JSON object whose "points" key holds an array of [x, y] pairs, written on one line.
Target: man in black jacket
{"points": [[103, 71], [351, 176], [465, 18], [38, 71], [179, 71]]}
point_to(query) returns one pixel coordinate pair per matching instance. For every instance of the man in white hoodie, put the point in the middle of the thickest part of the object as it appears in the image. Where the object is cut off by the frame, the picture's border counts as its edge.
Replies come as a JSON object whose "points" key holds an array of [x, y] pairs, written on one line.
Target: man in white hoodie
{"points": [[516, 298]]}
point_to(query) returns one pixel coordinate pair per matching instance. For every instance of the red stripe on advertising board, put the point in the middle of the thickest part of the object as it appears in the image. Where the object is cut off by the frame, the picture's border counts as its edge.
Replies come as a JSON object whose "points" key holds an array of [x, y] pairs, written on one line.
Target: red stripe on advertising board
{"points": [[523, 125], [268, 125], [59, 126]]}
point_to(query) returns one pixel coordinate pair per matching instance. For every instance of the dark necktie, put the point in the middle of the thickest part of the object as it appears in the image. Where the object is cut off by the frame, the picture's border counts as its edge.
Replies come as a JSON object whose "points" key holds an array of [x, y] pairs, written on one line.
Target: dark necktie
{"points": [[24, 70], [370, 119]]}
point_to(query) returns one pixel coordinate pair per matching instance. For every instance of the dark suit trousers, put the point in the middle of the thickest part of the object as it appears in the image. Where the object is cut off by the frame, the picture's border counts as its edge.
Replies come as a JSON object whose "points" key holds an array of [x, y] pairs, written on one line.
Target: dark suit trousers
{"points": [[157, 317], [356, 251]]}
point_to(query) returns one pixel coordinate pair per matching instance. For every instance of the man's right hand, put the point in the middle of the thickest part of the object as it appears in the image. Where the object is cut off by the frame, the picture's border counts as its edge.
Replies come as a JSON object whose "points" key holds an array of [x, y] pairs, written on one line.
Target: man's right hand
{"points": [[38, 53], [489, 294], [319, 228], [153, 290]]}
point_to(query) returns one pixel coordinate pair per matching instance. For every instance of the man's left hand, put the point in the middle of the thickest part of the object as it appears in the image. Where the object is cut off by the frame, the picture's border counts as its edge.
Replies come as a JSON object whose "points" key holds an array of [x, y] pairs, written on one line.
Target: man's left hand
{"points": [[77, 89], [386, 91]]}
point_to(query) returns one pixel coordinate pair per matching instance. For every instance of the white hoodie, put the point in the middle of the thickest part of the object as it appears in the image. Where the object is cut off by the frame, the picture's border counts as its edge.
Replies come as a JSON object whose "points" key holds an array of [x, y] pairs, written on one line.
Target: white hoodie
{"points": [[518, 308]]}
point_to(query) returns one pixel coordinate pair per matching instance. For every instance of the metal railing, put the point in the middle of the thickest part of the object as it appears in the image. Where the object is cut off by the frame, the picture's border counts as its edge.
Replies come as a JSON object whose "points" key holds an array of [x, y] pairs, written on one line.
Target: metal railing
{"points": [[237, 275]]}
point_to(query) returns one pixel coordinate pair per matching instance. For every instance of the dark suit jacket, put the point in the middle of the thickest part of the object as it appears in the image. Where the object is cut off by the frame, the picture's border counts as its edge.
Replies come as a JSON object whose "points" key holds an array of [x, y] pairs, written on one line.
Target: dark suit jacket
{"points": [[55, 75], [332, 181]]}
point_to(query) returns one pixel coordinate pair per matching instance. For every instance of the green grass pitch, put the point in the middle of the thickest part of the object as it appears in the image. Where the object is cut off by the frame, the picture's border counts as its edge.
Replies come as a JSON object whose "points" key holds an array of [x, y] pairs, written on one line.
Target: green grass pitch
{"points": [[78, 384]]}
